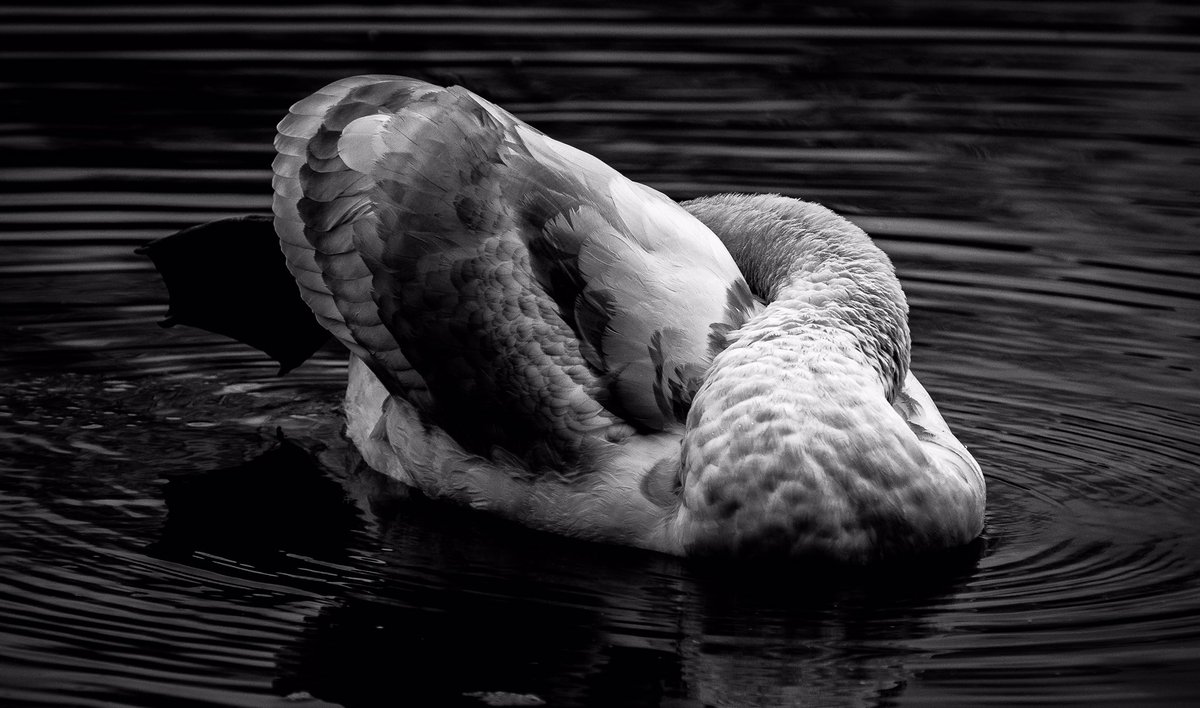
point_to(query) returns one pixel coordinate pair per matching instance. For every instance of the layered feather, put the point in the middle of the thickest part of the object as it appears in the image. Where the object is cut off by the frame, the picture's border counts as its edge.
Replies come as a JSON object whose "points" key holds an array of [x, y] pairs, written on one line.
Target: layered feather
{"points": [[525, 294], [537, 335]]}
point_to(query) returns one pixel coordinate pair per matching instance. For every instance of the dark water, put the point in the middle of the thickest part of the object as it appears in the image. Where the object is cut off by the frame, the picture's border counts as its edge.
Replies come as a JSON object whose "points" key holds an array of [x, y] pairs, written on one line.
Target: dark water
{"points": [[1032, 168]]}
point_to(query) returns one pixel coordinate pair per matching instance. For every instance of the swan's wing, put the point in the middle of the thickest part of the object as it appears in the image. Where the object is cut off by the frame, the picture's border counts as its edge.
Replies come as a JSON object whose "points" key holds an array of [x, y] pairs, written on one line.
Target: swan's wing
{"points": [[539, 294], [325, 220]]}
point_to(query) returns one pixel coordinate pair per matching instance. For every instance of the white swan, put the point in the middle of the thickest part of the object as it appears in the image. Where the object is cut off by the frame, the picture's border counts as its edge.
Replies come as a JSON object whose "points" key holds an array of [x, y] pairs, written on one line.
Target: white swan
{"points": [[536, 335]]}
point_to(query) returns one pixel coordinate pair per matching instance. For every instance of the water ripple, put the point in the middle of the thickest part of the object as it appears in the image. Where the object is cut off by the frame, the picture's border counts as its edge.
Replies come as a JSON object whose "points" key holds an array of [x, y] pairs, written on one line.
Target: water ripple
{"points": [[1029, 170]]}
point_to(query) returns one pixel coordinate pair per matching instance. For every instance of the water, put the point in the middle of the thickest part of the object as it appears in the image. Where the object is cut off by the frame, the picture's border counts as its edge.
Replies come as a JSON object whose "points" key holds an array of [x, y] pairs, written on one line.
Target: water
{"points": [[1032, 169]]}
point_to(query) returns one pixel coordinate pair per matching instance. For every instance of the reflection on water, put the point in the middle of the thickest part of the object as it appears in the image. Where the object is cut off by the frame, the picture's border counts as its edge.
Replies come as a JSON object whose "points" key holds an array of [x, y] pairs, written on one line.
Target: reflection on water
{"points": [[1031, 170]]}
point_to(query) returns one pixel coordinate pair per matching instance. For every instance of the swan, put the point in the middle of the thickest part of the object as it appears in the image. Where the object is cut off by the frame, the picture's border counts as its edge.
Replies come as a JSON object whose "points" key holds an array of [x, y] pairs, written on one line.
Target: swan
{"points": [[535, 335]]}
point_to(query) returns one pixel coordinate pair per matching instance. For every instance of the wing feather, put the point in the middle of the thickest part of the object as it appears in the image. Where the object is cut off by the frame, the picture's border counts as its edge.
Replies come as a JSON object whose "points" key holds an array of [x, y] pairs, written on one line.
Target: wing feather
{"points": [[540, 296], [322, 207]]}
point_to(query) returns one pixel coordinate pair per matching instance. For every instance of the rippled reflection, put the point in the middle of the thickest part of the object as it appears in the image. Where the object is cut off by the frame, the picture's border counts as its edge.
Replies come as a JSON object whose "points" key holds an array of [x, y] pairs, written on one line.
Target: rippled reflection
{"points": [[177, 524]]}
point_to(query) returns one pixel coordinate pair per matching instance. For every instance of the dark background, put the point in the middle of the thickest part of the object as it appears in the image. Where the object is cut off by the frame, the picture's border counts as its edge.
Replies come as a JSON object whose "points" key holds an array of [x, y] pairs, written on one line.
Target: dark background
{"points": [[1030, 167]]}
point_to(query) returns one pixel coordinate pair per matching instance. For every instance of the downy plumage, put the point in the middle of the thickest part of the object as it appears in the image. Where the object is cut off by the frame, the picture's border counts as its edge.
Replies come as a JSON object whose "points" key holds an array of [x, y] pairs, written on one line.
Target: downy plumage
{"points": [[533, 334]]}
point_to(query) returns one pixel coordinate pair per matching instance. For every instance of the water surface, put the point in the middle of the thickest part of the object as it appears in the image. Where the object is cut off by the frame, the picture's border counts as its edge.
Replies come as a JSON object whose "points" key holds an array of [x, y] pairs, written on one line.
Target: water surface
{"points": [[1032, 170]]}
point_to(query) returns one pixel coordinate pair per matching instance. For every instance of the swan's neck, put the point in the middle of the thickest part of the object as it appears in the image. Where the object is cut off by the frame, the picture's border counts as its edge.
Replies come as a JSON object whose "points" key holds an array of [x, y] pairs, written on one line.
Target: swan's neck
{"points": [[820, 269], [792, 443]]}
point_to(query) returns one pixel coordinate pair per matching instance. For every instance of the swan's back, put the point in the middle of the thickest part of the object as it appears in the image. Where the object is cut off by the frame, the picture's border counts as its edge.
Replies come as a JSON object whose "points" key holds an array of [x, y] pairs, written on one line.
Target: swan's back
{"points": [[521, 294]]}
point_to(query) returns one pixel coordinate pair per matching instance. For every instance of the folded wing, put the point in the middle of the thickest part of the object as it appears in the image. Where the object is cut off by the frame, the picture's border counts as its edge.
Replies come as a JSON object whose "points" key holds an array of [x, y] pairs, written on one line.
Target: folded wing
{"points": [[523, 293]]}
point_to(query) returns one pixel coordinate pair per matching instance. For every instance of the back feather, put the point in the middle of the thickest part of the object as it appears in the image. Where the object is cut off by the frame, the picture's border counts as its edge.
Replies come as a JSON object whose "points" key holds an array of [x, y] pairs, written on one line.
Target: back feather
{"points": [[524, 293]]}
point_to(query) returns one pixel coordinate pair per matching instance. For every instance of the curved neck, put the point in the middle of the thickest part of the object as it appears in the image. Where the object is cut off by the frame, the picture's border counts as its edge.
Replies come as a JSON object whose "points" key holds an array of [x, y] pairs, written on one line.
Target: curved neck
{"points": [[792, 442], [818, 267]]}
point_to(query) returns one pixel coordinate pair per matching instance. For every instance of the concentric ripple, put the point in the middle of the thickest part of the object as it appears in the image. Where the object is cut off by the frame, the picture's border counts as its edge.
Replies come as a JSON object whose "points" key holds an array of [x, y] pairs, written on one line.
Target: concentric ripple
{"points": [[179, 526]]}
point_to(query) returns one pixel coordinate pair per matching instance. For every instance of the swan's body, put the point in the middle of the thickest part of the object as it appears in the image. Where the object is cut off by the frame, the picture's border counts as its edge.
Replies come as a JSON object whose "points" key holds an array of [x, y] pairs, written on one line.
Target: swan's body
{"points": [[534, 334]]}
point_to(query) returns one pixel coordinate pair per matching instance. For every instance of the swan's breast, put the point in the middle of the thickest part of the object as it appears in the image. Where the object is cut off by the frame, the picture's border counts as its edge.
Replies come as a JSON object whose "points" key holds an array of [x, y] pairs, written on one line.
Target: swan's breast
{"points": [[793, 448]]}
